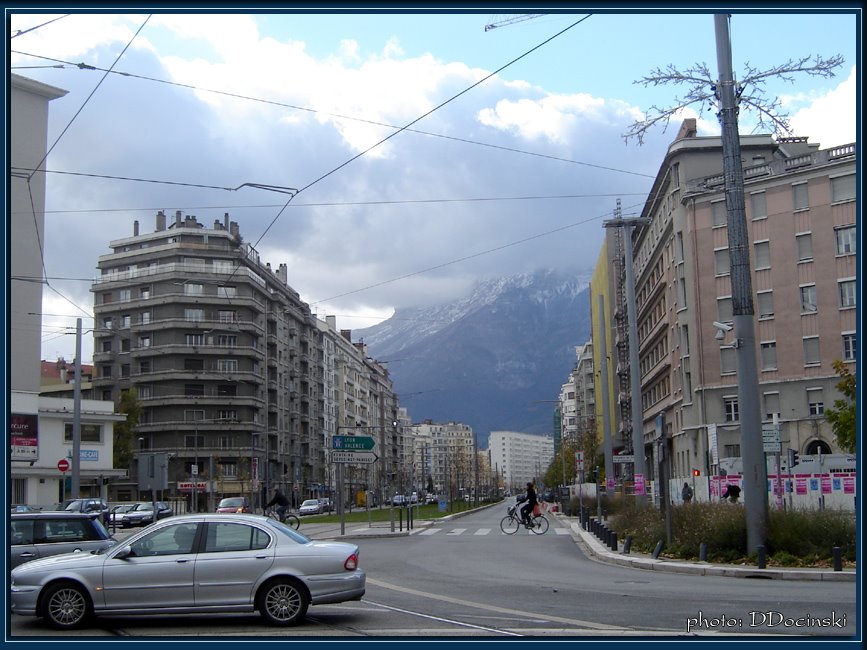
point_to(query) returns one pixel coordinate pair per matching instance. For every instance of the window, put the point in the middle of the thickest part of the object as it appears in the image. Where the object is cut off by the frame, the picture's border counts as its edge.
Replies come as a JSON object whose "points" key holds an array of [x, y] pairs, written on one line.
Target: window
{"points": [[172, 540], [196, 263], [145, 391], [815, 401], [769, 355], [722, 261], [125, 345], [106, 346], [145, 317], [843, 188], [731, 451], [772, 405], [194, 390], [762, 254], [808, 298], [227, 365], [144, 341], [194, 315], [106, 322], [728, 360], [227, 390], [229, 470], [227, 316], [228, 414], [765, 300], [226, 340], [144, 367], [718, 210], [124, 295], [811, 351], [227, 292], [193, 442], [758, 205], [144, 293], [804, 243], [194, 415], [850, 348], [89, 432], [125, 321], [800, 197], [846, 242], [191, 289], [223, 266], [194, 364], [847, 293], [195, 339], [730, 408], [724, 311], [231, 538]]}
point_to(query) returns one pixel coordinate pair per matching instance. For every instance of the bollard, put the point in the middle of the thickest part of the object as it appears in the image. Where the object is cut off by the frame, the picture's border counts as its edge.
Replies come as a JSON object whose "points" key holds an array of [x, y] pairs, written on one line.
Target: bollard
{"points": [[658, 549], [627, 544], [838, 558], [409, 518], [702, 552], [761, 553], [613, 541], [400, 518]]}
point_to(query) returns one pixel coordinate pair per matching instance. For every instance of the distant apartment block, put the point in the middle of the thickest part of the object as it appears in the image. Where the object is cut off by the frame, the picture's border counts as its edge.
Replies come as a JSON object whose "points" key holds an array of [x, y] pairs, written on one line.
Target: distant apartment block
{"points": [[520, 457]]}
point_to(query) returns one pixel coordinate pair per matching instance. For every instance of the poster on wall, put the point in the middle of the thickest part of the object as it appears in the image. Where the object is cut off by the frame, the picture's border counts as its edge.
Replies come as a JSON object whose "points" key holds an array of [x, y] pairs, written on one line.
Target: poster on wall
{"points": [[24, 436]]}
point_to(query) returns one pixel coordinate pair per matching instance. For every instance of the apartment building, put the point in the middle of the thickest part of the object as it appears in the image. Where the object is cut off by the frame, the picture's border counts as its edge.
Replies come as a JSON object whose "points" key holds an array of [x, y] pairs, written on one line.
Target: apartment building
{"points": [[520, 457], [444, 457], [225, 358], [801, 222]]}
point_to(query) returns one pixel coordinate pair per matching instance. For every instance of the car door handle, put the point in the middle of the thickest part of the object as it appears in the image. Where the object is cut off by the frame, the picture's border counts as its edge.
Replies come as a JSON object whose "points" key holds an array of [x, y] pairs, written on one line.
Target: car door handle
{"points": [[262, 557], [182, 560], [28, 554]]}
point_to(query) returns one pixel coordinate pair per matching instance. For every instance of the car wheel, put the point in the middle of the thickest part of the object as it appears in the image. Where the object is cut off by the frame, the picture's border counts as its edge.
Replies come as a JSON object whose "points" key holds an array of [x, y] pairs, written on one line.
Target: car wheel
{"points": [[283, 602], [65, 606]]}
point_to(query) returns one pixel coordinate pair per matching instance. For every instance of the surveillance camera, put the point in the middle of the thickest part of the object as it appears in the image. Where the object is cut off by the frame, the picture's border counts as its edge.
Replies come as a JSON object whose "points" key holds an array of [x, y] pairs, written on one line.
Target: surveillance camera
{"points": [[720, 335], [723, 327]]}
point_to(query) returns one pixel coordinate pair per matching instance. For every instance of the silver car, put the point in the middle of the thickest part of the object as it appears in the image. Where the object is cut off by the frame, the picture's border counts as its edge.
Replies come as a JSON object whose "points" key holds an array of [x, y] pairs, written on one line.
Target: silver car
{"points": [[241, 563], [34, 535]]}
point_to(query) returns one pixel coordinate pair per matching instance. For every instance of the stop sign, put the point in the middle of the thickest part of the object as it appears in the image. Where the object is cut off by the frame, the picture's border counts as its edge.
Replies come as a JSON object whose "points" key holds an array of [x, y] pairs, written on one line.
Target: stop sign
{"points": [[63, 464]]}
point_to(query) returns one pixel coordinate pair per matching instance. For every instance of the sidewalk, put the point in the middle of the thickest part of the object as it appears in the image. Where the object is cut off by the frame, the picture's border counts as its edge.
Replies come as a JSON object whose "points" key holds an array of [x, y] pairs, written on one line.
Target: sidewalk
{"points": [[599, 551]]}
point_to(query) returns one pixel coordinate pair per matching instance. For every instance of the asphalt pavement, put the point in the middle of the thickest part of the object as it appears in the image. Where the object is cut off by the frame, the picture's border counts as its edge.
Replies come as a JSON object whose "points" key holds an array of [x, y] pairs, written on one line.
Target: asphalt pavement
{"points": [[590, 544]]}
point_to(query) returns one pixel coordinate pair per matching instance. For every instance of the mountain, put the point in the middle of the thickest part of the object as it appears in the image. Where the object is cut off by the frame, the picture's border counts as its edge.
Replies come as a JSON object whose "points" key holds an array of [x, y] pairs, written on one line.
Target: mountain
{"points": [[488, 359]]}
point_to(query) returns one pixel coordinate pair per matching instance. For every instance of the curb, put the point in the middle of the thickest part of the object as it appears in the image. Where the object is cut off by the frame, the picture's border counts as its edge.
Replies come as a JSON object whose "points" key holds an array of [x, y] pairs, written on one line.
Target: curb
{"points": [[596, 550]]}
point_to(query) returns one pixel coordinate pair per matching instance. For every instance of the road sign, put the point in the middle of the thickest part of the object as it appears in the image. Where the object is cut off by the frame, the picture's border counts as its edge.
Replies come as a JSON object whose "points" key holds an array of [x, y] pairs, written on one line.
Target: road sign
{"points": [[771, 438], [361, 457], [579, 460], [63, 465], [624, 458], [352, 443]]}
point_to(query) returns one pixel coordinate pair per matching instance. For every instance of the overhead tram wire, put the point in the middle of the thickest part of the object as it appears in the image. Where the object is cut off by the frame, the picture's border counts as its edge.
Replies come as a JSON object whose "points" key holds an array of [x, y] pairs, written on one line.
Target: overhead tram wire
{"points": [[418, 119]]}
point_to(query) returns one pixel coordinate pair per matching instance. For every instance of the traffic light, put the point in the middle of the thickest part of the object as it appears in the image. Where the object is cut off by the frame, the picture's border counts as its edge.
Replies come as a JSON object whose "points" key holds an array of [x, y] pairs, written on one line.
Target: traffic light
{"points": [[793, 458], [696, 472]]}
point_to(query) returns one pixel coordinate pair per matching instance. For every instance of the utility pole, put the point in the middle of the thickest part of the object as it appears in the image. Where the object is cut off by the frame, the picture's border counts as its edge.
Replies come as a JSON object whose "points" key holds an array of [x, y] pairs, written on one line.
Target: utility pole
{"points": [[76, 417], [752, 447], [608, 444]]}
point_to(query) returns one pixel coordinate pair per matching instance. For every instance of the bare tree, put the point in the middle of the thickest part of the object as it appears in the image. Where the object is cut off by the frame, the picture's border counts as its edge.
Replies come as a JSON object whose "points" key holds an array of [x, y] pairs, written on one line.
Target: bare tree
{"points": [[751, 92]]}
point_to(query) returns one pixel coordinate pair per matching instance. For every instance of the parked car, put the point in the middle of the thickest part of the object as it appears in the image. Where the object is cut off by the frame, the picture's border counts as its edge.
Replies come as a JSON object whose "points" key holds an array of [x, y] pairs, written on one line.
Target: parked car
{"points": [[326, 505], [234, 504], [310, 507], [413, 498], [98, 506], [116, 515], [219, 550], [431, 498], [399, 500], [20, 507], [36, 535]]}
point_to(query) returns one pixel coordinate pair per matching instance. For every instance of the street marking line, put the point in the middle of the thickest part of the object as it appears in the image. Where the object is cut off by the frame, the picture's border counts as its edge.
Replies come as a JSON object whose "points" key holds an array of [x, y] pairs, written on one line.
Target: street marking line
{"points": [[490, 608], [445, 620], [482, 531], [561, 531], [430, 531], [456, 531]]}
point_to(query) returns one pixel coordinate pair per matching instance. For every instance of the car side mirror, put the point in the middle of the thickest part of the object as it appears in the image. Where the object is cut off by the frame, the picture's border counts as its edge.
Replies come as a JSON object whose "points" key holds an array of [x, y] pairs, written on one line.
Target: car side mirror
{"points": [[124, 553]]}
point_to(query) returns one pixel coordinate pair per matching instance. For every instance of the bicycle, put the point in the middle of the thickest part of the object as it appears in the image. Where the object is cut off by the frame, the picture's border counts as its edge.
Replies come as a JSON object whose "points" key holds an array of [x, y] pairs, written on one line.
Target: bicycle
{"points": [[288, 518], [512, 522]]}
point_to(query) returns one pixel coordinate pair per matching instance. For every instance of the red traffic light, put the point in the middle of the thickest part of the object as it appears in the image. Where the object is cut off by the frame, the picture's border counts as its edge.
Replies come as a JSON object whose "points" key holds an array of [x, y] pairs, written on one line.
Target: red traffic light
{"points": [[696, 472]]}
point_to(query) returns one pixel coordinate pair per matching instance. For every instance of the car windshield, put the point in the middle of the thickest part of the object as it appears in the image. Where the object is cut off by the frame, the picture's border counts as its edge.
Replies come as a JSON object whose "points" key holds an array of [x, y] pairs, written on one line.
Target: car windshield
{"points": [[124, 508], [72, 505], [143, 506], [103, 533], [232, 503], [289, 532], [310, 502]]}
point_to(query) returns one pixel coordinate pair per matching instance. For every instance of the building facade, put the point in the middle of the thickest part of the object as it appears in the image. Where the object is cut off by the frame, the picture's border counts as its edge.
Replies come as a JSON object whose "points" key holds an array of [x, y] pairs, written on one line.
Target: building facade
{"points": [[225, 358], [801, 222], [520, 457]]}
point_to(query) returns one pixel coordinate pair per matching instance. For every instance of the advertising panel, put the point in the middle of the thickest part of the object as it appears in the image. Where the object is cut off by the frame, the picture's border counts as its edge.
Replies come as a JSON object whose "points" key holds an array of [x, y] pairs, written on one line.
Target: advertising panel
{"points": [[24, 436]]}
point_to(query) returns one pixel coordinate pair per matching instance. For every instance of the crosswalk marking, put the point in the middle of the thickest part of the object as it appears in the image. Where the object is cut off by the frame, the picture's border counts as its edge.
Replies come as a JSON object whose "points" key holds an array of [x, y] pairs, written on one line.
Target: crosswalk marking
{"points": [[454, 532]]}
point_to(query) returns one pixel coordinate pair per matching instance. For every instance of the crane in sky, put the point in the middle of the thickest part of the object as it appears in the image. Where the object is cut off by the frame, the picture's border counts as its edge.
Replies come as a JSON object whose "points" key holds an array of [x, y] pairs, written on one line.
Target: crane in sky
{"points": [[515, 18]]}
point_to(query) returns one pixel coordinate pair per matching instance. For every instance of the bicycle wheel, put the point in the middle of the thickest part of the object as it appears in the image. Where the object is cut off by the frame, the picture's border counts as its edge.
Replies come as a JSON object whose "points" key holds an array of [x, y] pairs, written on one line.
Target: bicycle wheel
{"points": [[292, 521], [509, 525], [540, 525]]}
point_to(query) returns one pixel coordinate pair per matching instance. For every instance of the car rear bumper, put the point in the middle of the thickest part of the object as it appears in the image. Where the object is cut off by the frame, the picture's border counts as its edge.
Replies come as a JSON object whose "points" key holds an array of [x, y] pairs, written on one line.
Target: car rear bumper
{"points": [[336, 588]]}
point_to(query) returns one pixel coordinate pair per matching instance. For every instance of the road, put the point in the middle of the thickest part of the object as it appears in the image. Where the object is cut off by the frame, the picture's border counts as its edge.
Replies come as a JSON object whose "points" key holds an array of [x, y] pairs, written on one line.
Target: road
{"points": [[465, 578]]}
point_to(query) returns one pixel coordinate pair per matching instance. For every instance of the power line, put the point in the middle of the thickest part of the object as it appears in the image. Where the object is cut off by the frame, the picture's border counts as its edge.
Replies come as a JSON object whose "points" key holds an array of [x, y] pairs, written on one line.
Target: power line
{"points": [[21, 32]]}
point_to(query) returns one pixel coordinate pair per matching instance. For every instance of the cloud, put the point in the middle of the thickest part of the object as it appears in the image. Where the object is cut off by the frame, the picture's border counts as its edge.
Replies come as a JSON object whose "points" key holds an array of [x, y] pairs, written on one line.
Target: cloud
{"points": [[828, 119]]}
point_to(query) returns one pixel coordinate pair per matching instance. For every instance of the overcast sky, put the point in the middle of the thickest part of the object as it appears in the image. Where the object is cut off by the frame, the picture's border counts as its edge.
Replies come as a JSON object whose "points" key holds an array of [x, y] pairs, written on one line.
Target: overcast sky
{"points": [[510, 175]]}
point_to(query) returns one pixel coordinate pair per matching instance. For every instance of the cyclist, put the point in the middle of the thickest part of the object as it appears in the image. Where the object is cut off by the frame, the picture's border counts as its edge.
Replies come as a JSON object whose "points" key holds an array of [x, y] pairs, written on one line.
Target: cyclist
{"points": [[280, 500], [732, 493], [530, 502]]}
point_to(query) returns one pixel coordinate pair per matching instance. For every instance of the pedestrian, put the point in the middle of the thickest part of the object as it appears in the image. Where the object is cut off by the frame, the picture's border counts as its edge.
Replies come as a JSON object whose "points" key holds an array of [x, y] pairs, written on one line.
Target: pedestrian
{"points": [[732, 493], [686, 493]]}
